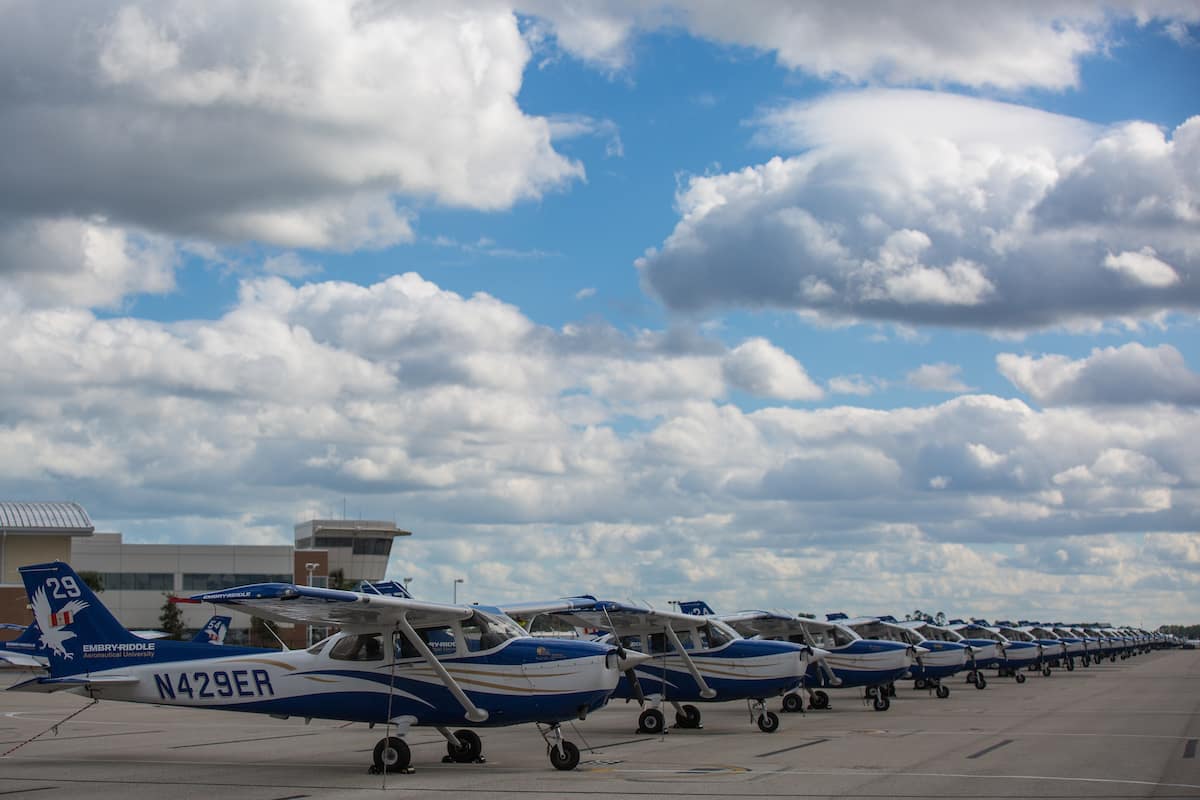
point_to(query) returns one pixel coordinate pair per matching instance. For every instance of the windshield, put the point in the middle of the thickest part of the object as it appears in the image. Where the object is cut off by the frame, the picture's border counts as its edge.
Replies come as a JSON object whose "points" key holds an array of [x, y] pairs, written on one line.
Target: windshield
{"points": [[485, 630]]}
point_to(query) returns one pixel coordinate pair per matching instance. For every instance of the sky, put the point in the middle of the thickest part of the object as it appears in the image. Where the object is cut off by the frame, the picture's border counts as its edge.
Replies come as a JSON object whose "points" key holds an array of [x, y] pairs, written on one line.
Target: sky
{"points": [[870, 307]]}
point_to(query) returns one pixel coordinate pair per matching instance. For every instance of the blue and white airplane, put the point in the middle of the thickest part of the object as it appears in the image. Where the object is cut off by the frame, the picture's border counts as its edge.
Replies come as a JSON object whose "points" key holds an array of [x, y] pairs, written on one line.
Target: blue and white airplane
{"points": [[1014, 655], [843, 658], [396, 661], [936, 659], [691, 659], [980, 652], [1046, 649]]}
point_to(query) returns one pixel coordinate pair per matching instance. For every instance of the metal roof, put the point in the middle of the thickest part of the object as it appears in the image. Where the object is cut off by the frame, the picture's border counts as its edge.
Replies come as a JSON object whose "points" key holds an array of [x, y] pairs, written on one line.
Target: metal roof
{"points": [[61, 518]]}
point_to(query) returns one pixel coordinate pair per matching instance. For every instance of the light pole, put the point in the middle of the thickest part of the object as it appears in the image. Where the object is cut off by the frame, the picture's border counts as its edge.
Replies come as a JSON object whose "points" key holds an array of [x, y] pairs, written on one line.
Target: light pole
{"points": [[457, 581], [407, 581]]}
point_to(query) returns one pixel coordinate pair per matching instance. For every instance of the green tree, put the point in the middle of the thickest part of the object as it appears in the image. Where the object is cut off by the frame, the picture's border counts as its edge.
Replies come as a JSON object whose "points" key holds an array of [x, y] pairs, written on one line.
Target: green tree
{"points": [[171, 619]]}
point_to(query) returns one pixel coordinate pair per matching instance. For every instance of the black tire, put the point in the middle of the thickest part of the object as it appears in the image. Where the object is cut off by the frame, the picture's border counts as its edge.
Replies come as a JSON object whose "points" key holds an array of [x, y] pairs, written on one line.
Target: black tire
{"points": [[471, 750], [871, 692], [1071, 665], [882, 703], [819, 699], [792, 703], [1020, 678], [391, 754], [890, 689], [980, 682], [1087, 661], [919, 684], [943, 692], [768, 722], [689, 718], [568, 759], [1046, 671], [972, 676], [651, 721]]}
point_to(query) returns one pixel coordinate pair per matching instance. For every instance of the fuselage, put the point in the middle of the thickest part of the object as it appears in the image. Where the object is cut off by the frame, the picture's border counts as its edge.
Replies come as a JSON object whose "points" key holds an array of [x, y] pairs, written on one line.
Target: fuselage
{"points": [[735, 670], [520, 680]]}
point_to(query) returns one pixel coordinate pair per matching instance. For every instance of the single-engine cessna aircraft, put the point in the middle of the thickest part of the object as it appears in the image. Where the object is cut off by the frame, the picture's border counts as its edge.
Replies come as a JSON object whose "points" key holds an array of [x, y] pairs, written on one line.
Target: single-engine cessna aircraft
{"points": [[1047, 650], [692, 659], [937, 658], [980, 652], [1015, 655], [397, 661], [844, 660]]}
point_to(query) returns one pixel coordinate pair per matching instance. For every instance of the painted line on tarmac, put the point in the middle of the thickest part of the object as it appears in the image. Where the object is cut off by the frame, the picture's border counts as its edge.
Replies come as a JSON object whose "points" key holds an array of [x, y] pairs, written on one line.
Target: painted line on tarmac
{"points": [[987, 750], [1189, 749], [1044, 733], [957, 775], [26, 791], [789, 749], [85, 736], [240, 741]]}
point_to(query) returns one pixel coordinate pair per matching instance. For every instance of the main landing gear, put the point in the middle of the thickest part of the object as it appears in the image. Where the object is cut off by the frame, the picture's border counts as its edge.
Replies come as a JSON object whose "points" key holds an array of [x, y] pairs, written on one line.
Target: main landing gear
{"points": [[793, 703], [818, 699], [391, 755], [462, 747], [651, 721], [687, 716], [976, 677]]}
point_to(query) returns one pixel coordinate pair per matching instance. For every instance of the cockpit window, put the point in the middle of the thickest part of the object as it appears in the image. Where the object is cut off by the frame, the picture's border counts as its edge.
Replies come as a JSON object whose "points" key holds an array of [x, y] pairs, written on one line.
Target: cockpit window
{"points": [[485, 631], [716, 635], [363, 647]]}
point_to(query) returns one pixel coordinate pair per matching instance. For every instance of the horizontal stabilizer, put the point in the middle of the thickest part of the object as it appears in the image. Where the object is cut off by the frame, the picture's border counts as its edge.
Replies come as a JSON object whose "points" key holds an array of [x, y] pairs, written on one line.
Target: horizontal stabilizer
{"points": [[48, 685]]}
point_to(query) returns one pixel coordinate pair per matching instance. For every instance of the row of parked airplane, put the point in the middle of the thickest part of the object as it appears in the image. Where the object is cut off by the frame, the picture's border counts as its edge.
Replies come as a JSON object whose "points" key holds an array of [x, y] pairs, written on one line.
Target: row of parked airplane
{"points": [[403, 662]]}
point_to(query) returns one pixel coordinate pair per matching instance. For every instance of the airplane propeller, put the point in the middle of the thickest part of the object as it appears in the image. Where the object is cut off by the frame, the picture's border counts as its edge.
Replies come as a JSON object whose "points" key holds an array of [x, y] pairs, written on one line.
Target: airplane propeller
{"points": [[635, 684]]}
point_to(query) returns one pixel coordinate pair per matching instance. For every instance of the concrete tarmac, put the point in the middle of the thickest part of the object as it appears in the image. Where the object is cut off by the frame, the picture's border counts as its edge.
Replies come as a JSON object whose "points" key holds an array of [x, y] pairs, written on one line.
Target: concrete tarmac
{"points": [[1123, 730]]}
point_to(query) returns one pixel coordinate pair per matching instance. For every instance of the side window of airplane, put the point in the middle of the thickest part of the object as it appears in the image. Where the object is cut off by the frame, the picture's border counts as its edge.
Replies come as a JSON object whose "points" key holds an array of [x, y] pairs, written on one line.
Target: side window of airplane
{"points": [[364, 647], [657, 643], [441, 641], [633, 643], [839, 637], [687, 639], [405, 648]]}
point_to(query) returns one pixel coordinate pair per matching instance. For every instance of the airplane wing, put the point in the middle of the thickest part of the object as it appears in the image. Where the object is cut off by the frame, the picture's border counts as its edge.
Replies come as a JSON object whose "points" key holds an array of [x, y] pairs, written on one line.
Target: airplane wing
{"points": [[308, 605], [766, 624], [588, 612]]}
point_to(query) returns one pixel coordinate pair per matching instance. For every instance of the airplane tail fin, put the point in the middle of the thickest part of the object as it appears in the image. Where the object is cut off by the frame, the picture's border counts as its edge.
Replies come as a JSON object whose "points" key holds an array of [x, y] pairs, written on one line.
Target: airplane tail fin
{"points": [[213, 632], [75, 631], [697, 608]]}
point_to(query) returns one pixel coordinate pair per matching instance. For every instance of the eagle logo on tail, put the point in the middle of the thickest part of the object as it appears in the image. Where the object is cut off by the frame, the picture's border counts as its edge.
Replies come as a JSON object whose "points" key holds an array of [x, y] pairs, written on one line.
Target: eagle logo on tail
{"points": [[52, 624]]}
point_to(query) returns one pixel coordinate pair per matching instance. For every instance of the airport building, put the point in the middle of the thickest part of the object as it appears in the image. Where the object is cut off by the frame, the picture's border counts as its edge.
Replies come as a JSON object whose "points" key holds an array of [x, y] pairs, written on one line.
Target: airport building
{"points": [[137, 578]]}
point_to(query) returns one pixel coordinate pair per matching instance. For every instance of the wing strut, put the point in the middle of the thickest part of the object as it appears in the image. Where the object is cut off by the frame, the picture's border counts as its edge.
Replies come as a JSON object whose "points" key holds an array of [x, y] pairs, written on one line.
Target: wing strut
{"points": [[705, 691], [473, 713]]}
